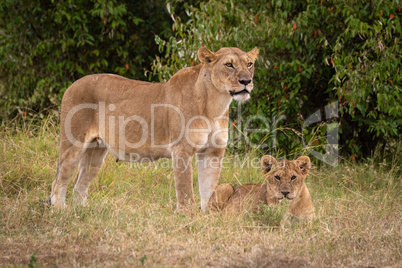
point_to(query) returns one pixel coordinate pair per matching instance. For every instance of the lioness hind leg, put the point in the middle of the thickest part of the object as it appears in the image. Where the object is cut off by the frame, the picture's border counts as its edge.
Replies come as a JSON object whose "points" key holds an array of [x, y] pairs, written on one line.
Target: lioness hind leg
{"points": [[68, 162], [220, 197], [89, 167]]}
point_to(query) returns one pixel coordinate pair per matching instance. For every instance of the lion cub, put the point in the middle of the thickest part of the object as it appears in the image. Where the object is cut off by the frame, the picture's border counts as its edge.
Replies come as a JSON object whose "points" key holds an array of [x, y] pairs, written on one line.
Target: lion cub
{"points": [[284, 179]]}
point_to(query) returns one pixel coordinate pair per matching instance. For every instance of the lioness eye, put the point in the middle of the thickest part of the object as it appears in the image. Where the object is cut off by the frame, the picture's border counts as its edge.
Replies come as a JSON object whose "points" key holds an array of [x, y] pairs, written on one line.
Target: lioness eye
{"points": [[293, 178], [249, 64], [229, 65], [278, 178]]}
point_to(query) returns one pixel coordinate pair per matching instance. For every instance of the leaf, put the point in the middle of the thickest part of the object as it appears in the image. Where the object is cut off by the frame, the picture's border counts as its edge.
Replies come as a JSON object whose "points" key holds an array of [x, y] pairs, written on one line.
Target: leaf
{"points": [[168, 7]]}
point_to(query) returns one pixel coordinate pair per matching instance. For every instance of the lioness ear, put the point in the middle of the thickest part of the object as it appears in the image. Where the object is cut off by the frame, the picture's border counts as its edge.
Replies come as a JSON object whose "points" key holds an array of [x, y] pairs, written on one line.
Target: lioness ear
{"points": [[304, 164], [253, 53], [268, 162], [205, 55]]}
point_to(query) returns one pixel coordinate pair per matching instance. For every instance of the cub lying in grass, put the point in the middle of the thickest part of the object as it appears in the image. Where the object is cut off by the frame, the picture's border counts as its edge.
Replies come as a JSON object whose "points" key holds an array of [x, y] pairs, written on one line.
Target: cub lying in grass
{"points": [[284, 179]]}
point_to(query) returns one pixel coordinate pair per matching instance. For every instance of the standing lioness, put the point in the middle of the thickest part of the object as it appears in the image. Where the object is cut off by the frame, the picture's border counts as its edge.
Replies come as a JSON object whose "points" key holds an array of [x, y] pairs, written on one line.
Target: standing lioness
{"points": [[138, 121]]}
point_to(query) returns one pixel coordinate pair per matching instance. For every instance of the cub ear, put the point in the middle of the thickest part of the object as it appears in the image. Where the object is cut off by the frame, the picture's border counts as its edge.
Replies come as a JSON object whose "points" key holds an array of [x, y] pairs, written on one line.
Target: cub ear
{"points": [[268, 162], [205, 55], [253, 54], [304, 164]]}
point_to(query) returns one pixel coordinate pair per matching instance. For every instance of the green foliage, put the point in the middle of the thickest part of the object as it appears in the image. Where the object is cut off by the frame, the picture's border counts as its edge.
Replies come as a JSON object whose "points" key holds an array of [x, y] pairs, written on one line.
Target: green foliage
{"points": [[47, 45], [367, 59], [32, 261], [269, 215], [312, 53]]}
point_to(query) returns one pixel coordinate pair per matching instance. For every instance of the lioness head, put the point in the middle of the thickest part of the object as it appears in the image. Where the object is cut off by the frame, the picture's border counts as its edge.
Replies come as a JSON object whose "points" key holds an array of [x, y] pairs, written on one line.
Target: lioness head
{"points": [[285, 178], [231, 70]]}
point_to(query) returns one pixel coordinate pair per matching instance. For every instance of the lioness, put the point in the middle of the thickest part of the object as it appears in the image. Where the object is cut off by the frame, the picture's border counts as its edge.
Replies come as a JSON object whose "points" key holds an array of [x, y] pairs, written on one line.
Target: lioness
{"points": [[139, 121], [284, 179]]}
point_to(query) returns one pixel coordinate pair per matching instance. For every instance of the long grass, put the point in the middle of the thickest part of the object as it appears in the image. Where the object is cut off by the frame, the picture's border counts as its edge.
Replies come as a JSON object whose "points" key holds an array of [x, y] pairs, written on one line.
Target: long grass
{"points": [[130, 218]]}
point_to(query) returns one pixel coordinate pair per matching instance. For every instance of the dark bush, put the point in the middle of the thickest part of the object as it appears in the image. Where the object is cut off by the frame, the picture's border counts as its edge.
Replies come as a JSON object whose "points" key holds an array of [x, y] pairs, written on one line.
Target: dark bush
{"points": [[47, 45], [313, 53]]}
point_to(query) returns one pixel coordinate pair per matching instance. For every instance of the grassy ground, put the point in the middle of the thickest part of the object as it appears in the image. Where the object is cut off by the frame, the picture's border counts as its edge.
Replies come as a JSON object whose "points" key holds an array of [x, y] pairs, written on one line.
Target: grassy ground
{"points": [[130, 218]]}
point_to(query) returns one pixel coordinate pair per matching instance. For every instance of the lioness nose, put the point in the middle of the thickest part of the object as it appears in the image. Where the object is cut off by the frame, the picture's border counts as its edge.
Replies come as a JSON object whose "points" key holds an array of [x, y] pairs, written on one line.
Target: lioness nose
{"points": [[285, 193], [245, 82]]}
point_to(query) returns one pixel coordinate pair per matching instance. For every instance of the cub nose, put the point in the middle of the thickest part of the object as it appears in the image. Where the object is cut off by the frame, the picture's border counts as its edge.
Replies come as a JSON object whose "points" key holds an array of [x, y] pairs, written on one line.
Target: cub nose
{"points": [[244, 82], [285, 193]]}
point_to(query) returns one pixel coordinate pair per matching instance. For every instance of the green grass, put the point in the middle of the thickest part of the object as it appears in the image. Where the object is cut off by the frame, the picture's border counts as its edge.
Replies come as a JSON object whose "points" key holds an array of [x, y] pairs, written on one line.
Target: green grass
{"points": [[130, 218]]}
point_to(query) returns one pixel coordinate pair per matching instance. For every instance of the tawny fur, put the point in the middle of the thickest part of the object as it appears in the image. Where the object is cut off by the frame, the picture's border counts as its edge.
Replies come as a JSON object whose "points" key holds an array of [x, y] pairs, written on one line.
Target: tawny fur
{"points": [[285, 179], [139, 121]]}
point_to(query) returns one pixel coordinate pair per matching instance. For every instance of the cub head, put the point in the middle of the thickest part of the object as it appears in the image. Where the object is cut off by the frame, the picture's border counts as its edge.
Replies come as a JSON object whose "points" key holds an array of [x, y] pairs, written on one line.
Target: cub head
{"points": [[231, 70], [285, 178]]}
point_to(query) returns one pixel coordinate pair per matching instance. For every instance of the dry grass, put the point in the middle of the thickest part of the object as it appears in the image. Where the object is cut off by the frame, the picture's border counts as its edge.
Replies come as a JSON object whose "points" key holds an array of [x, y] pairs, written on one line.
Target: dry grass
{"points": [[130, 218]]}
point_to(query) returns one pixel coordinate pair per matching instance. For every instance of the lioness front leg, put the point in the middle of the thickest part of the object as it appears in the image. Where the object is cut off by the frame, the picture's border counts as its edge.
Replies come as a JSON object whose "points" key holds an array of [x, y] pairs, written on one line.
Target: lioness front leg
{"points": [[302, 207], [209, 170], [183, 177]]}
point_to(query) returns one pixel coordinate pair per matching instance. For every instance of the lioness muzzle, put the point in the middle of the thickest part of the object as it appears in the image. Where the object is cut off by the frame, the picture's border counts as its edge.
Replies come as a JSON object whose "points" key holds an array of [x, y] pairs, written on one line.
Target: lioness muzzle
{"points": [[244, 91]]}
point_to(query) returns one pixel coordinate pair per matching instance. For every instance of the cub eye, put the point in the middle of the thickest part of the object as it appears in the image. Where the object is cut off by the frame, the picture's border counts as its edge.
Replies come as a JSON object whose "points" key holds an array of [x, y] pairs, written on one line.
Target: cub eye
{"points": [[278, 178], [229, 65], [293, 178], [249, 64]]}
